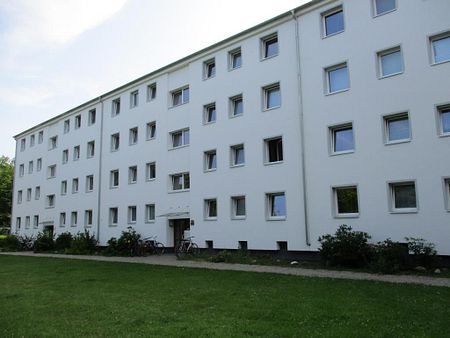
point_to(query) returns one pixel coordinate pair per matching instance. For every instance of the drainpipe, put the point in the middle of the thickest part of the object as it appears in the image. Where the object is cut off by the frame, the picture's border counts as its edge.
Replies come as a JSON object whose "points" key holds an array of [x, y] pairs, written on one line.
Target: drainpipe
{"points": [[302, 129], [100, 169]]}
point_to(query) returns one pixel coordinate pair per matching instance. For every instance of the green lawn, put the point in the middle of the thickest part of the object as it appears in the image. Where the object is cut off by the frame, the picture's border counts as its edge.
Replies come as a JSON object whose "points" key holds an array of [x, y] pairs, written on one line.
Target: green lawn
{"points": [[44, 297]]}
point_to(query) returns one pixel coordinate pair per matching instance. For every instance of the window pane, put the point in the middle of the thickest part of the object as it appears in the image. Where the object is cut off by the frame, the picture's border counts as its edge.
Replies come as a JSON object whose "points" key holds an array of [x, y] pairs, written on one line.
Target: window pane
{"points": [[177, 182], [211, 111], [441, 49], [176, 98], [383, 6], [271, 47], [211, 70], [343, 140], [334, 23], [187, 181], [338, 79], [185, 95], [405, 196], [239, 156], [186, 137], [176, 139], [347, 201], [212, 208], [275, 148], [240, 206], [212, 161], [398, 129], [278, 205], [237, 60], [238, 107], [391, 63], [445, 115], [273, 98]]}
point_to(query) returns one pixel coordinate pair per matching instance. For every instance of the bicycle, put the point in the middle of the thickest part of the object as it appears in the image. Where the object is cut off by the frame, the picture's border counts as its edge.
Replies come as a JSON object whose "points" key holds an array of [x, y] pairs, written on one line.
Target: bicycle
{"points": [[150, 245], [187, 247]]}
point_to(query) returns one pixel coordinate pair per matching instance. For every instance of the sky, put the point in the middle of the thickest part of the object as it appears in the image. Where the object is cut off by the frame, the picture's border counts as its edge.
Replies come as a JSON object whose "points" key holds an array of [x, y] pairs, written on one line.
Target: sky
{"points": [[56, 55]]}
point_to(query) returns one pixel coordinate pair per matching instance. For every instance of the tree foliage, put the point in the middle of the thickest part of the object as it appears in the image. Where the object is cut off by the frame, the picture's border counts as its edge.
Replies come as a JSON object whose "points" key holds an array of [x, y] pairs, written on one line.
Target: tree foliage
{"points": [[6, 187]]}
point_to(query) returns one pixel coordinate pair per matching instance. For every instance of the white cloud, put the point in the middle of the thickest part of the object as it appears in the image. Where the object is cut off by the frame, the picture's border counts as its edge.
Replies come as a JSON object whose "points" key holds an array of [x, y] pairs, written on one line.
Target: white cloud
{"points": [[22, 96]]}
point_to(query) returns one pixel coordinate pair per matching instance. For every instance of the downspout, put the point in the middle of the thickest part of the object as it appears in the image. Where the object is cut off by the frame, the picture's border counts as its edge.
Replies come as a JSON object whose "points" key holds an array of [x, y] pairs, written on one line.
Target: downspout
{"points": [[302, 129], [13, 202], [100, 170]]}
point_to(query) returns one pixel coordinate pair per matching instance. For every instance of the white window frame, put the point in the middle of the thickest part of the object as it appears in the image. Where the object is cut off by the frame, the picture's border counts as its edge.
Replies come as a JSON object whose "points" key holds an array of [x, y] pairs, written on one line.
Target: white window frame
{"points": [[39, 164], [88, 218], [265, 94], [232, 104], [74, 218], [65, 156], [231, 55], [115, 142], [115, 107], [112, 173], [29, 194], [151, 126], [132, 174], [335, 209], [267, 152], [76, 153], [37, 193], [75, 185], [19, 196], [40, 137], [183, 133], [134, 98], [21, 170], [183, 183], [50, 201], [89, 183], [134, 136], [328, 13], [439, 117], [77, 124], [436, 37], [233, 157], [327, 79], [66, 127], [394, 117], [375, 9], [263, 44], [53, 142], [63, 187], [132, 214], [446, 186], [113, 216], [152, 91], [92, 116], [91, 149], [391, 197], [184, 98], [269, 204], [148, 171], [148, 213], [206, 110], [384, 52], [62, 219], [332, 138], [51, 173], [207, 208], [32, 140], [206, 69], [206, 157], [234, 201], [36, 221]]}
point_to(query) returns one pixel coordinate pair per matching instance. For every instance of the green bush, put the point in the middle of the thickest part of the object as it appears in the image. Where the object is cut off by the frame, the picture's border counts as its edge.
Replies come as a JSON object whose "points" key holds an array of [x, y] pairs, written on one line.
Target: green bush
{"points": [[346, 248], [9, 243], [63, 241], [223, 256], [44, 242], [128, 243], [424, 253], [390, 257], [83, 243], [26, 243], [111, 249]]}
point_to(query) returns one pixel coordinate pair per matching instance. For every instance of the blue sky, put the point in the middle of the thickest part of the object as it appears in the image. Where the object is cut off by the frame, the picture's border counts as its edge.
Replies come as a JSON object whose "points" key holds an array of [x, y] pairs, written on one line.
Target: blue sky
{"points": [[58, 54]]}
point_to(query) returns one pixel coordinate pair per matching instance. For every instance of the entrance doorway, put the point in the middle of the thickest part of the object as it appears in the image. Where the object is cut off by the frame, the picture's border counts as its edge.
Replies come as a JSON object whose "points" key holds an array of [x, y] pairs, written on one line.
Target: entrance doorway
{"points": [[179, 227], [48, 229]]}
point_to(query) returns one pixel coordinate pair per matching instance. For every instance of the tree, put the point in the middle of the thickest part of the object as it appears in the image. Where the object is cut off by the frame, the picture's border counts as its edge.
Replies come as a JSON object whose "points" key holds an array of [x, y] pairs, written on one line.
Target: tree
{"points": [[6, 187]]}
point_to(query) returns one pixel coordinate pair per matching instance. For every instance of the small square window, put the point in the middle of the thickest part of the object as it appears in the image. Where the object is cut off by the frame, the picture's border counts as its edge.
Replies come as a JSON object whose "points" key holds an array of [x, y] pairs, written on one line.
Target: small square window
{"points": [[65, 156], [180, 96], [132, 175], [403, 197], [342, 140], [151, 92], [40, 137], [76, 153], [115, 110], [397, 128], [235, 59], [39, 164], [62, 219], [333, 21], [53, 142], [133, 135], [269, 46], [92, 117], [274, 150], [390, 62], [444, 120], [151, 130], [211, 209], [210, 162], [77, 121], [209, 113], [180, 181], [236, 105], [75, 185], [276, 206], [180, 138], [66, 126], [113, 216], [384, 6], [114, 178], [337, 78], [149, 213], [134, 99], [346, 201], [88, 218], [63, 187], [132, 214], [209, 69], [115, 142], [74, 219], [89, 183], [237, 155], [91, 149], [150, 171], [272, 96], [238, 207], [440, 48]]}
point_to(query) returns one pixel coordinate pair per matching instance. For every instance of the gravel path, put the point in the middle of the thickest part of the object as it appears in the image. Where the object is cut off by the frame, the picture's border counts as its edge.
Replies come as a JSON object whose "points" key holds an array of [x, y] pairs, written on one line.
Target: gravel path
{"points": [[171, 260]]}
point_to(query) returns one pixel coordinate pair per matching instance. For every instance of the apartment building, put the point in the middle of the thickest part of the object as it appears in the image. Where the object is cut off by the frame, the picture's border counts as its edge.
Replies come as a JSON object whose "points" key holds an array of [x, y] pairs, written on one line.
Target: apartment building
{"points": [[336, 112]]}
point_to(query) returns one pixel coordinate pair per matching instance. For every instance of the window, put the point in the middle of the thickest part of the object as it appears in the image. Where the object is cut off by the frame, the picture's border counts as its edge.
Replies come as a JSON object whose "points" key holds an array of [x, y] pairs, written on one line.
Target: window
{"points": [[132, 214], [150, 171], [342, 141], [27, 222], [91, 117], [447, 193], [238, 207], [180, 96], [37, 193], [78, 121], [133, 135], [272, 96], [235, 59], [18, 221], [149, 213], [51, 171], [88, 218], [91, 149], [30, 167], [209, 113], [180, 181], [76, 153], [75, 185], [115, 142], [132, 174], [236, 105], [444, 120], [65, 156], [66, 126], [19, 197], [50, 201], [115, 109], [29, 193], [210, 163], [89, 183], [39, 164], [440, 48], [333, 21], [62, 219], [384, 6], [276, 206], [337, 78], [134, 99], [113, 216], [36, 221], [74, 219], [53, 142], [151, 130], [274, 150], [346, 201], [151, 92], [397, 128], [211, 209], [390, 62], [21, 170], [63, 187], [32, 140], [22, 144], [114, 178], [40, 137], [237, 155], [209, 69], [269, 46], [403, 197], [180, 138]]}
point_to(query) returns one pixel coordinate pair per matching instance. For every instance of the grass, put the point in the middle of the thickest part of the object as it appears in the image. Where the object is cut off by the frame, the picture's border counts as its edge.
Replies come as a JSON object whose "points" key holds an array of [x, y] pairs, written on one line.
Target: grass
{"points": [[49, 297]]}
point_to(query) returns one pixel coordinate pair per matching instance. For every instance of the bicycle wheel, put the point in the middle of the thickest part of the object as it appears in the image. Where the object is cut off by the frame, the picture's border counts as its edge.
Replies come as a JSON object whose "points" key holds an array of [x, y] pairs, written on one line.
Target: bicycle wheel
{"points": [[159, 248], [194, 250], [180, 251]]}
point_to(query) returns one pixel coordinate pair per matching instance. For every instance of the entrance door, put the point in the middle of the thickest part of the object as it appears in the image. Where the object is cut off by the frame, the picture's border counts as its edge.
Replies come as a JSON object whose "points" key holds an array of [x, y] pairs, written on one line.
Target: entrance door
{"points": [[48, 229], [179, 226]]}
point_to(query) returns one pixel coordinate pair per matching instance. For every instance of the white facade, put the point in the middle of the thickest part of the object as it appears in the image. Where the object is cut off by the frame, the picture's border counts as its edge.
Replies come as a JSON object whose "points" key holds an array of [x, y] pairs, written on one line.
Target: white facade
{"points": [[394, 102]]}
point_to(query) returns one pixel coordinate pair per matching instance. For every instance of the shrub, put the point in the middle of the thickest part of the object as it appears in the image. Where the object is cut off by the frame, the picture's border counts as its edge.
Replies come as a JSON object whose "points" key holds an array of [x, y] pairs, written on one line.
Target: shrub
{"points": [[423, 251], [9, 243], [390, 256], [63, 241], [223, 256], [44, 242], [83, 243], [26, 243], [128, 243], [346, 248], [111, 249]]}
